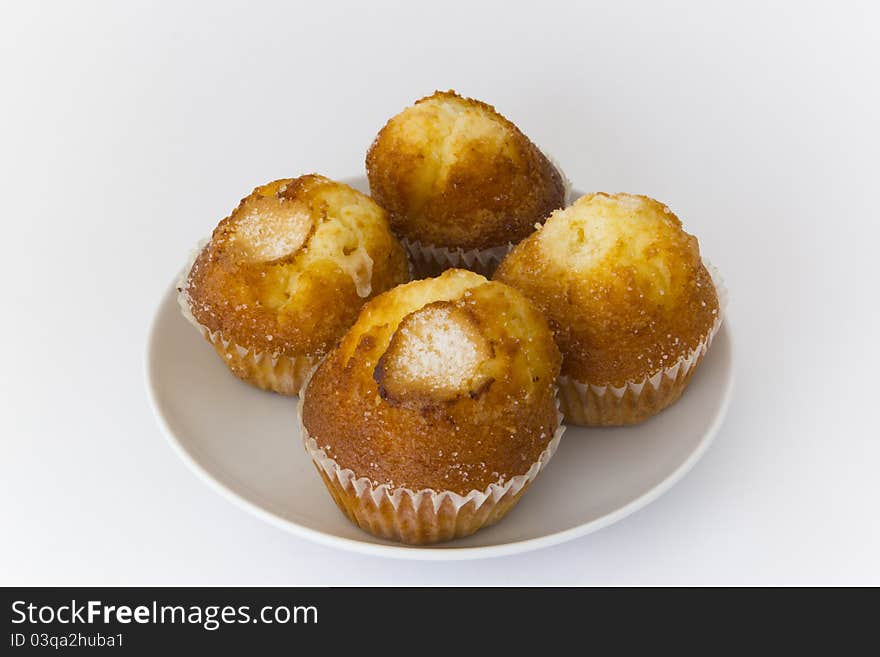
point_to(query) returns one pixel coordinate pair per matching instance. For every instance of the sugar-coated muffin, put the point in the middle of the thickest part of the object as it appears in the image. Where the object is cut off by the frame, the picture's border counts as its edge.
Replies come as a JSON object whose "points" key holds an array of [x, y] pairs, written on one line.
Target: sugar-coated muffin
{"points": [[632, 306], [284, 276], [436, 410], [460, 183]]}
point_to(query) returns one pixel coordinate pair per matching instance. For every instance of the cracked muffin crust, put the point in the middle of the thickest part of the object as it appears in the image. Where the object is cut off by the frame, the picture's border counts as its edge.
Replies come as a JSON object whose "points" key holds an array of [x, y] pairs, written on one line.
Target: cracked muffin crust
{"points": [[452, 172], [437, 409], [624, 288], [443, 383]]}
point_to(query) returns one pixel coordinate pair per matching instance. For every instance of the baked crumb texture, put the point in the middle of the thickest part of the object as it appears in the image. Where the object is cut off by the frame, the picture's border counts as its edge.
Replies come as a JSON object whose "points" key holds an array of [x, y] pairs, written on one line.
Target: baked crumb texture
{"points": [[437, 409], [455, 175], [631, 304], [284, 276]]}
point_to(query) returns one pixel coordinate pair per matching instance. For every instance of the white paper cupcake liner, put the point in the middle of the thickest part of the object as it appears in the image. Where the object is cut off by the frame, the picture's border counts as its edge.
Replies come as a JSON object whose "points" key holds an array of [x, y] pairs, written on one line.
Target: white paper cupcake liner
{"points": [[424, 516], [566, 181], [280, 373], [606, 405]]}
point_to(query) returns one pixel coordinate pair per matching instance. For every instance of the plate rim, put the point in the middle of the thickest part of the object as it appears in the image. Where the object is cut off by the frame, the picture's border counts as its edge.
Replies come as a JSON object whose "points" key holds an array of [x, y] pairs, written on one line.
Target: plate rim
{"points": [[427, 553]]}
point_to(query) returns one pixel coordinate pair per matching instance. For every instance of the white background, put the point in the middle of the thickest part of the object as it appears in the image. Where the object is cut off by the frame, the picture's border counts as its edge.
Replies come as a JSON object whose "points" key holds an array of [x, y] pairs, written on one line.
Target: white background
{"points": [[128, 130]]}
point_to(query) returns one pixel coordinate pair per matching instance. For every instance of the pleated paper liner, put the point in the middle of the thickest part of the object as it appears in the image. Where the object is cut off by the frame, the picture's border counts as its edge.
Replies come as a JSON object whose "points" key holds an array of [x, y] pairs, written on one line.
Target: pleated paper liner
{"points": [[425, 516], [566, 181], [592, 405], [429, 261], [278, 373]]}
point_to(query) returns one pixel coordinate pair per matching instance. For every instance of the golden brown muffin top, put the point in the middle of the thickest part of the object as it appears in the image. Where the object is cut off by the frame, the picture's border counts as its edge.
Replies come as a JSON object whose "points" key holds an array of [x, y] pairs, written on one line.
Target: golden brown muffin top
{"points": [[453, 172], [444, 383], [289, 269], [622, 283]]}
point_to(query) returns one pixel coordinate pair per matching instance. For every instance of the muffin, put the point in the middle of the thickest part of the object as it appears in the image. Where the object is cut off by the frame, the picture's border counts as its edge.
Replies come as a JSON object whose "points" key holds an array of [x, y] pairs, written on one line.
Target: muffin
{"points": [[437, 409], [632, 306], [460, 183], [284, 276]]}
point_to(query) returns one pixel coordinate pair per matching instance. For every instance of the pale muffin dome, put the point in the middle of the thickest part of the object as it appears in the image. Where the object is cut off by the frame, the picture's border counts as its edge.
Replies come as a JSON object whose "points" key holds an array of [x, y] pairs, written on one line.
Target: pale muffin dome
{"points": [[287, 272], [623, 285], [452, 172]]}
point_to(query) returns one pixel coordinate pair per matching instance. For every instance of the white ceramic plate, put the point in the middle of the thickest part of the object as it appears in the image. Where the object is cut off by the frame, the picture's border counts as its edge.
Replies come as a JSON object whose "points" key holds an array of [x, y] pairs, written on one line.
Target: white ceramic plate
{"points": [[245, 443]]}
